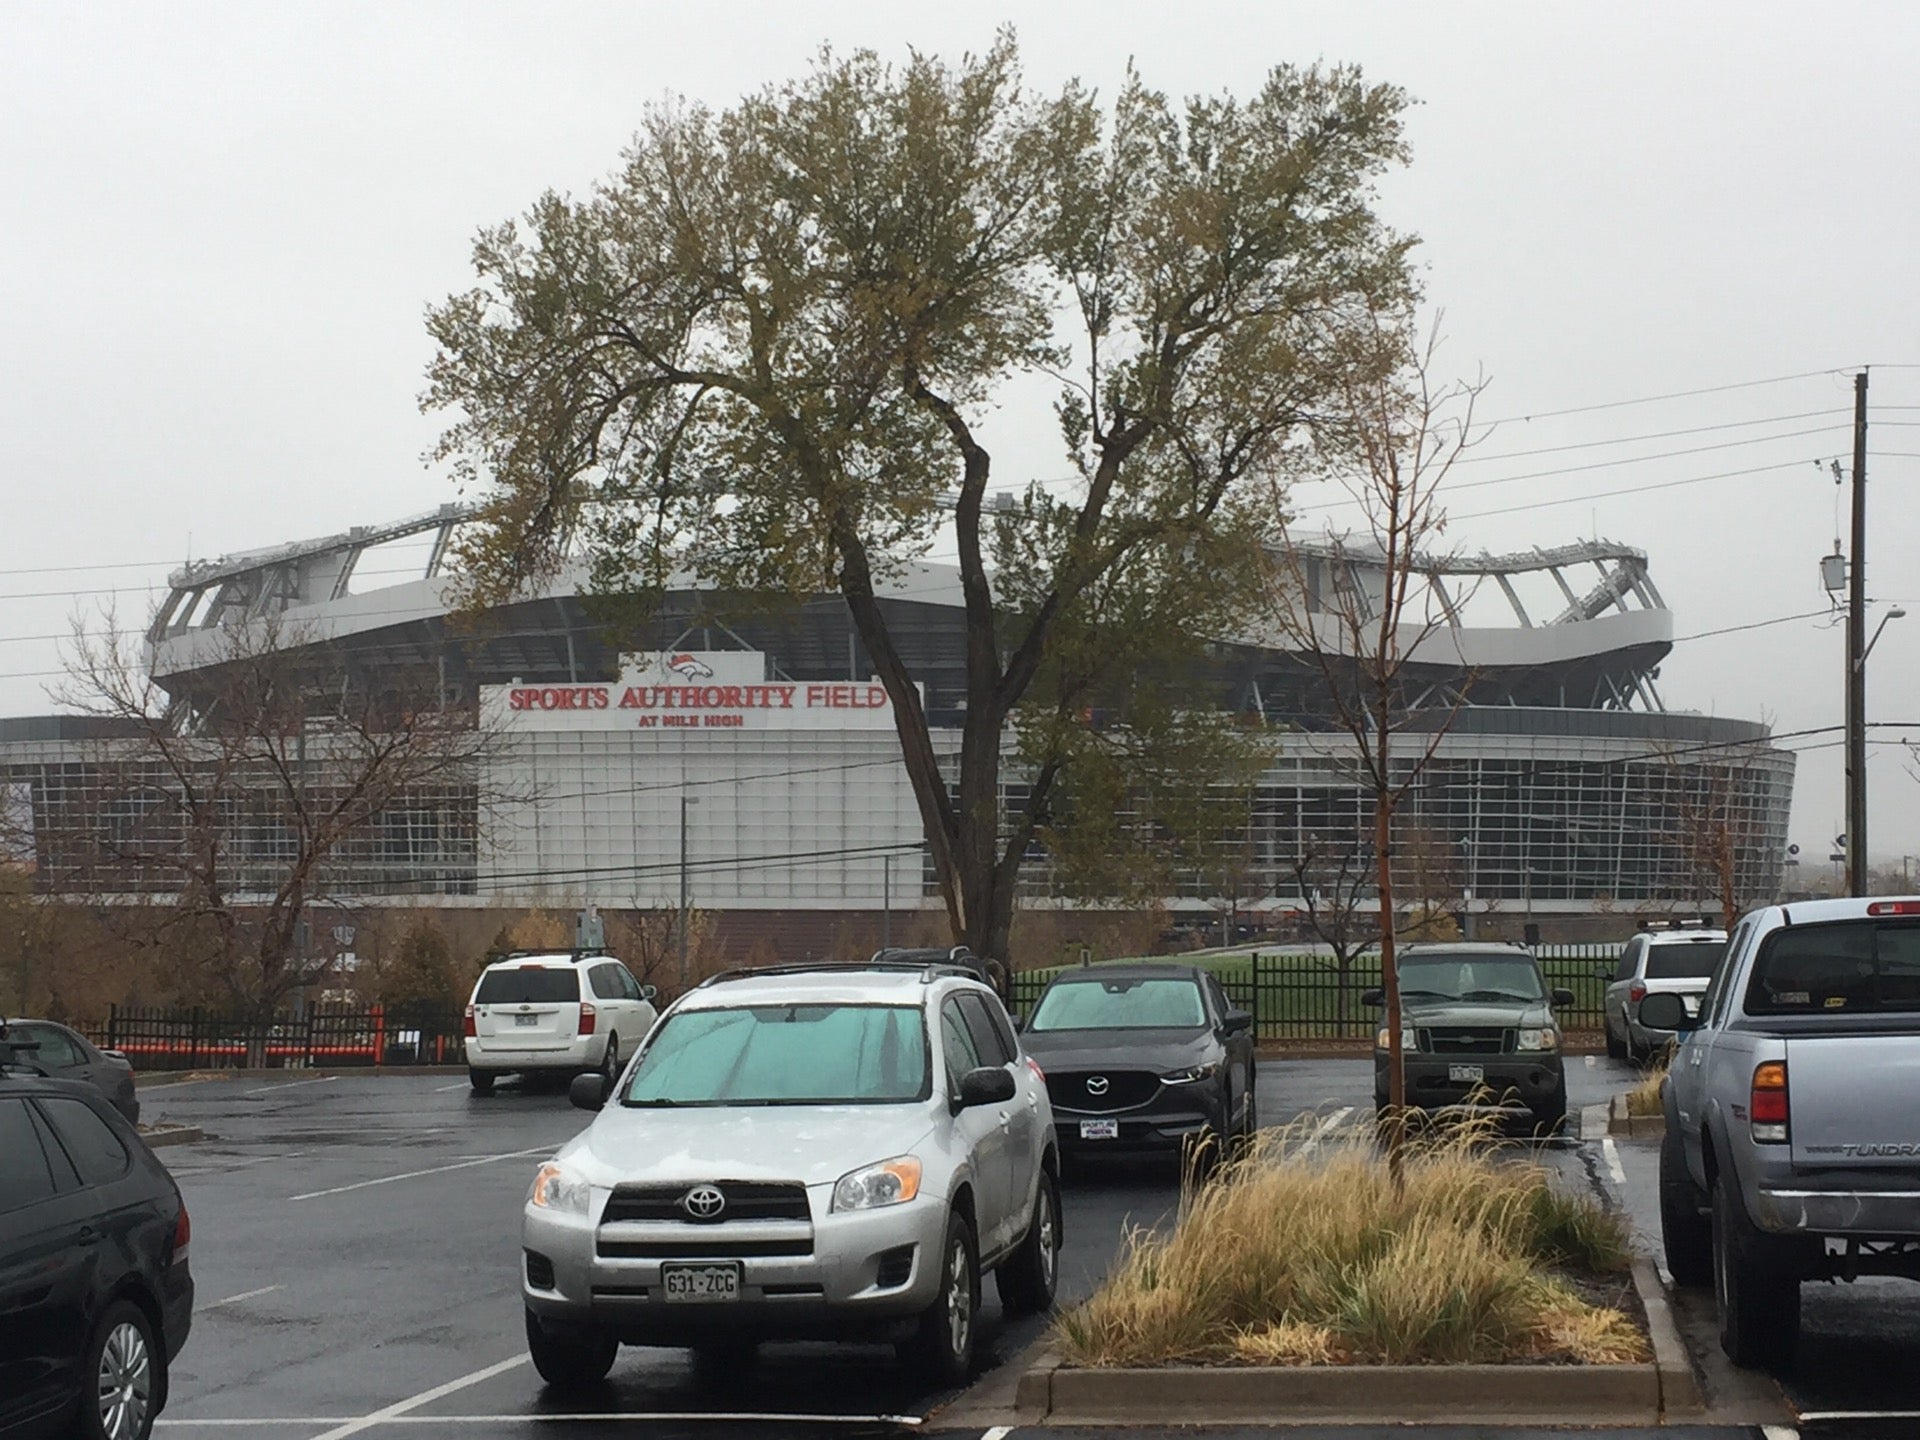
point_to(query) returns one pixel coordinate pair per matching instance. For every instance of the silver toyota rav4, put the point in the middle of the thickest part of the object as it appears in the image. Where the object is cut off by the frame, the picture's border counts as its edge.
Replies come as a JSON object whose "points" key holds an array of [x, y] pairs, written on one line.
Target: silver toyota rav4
{"points": [[799, 1152]]}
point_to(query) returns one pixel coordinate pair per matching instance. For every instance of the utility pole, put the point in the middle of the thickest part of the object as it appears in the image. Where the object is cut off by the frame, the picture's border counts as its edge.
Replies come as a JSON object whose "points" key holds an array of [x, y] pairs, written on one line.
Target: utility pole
{"points": [[886, 912], [1857, 653]]}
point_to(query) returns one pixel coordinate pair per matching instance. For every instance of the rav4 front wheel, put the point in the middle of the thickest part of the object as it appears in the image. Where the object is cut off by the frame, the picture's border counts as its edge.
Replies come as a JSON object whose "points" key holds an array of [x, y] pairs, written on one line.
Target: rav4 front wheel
{"points": [[570, 1362], [942, 1344]]}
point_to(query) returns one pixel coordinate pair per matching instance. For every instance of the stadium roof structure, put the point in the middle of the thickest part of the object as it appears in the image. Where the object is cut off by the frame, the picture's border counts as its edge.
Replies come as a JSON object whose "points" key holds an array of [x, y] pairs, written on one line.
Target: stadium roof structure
{"points": [[1579, 626]]}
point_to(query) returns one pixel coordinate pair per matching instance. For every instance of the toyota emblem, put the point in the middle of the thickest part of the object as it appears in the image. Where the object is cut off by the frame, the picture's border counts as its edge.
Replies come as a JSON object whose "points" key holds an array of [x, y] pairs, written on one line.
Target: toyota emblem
{"points": [[1096, 1085], [703, 1202]]}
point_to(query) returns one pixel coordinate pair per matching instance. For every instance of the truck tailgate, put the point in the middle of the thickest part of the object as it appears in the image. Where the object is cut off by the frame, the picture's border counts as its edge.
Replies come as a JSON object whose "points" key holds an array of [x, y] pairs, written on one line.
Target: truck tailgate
{"points": [[1855, 1100]]}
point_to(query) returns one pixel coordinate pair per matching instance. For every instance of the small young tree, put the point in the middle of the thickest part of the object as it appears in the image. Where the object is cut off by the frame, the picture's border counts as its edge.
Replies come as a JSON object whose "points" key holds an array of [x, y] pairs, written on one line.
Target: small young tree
{"points": [[1353, 609], [241, 813]]}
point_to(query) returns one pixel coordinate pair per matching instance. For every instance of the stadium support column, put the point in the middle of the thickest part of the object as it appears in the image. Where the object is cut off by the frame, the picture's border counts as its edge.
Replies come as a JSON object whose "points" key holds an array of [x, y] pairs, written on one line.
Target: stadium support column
{"points": [[1856, 849]]}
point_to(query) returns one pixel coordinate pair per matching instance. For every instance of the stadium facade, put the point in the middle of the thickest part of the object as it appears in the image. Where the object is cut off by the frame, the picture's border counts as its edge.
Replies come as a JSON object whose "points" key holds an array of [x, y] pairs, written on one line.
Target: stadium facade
{"points": [[756, 761]]}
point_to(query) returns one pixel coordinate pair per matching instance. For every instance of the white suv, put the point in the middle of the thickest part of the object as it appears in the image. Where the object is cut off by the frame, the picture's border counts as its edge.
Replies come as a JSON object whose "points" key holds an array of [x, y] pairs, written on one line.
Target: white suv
{"points": [[554, 1012], [802, 1153]]}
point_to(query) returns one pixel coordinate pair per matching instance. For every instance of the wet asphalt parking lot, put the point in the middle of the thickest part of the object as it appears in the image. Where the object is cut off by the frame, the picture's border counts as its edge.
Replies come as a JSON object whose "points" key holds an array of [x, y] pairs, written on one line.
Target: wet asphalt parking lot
{"points": [[356, 1257]]}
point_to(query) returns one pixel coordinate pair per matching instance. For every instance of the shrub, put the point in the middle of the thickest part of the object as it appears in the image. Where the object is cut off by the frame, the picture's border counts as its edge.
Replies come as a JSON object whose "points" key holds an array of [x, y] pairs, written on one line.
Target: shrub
{"points": [[1303, 1258]]}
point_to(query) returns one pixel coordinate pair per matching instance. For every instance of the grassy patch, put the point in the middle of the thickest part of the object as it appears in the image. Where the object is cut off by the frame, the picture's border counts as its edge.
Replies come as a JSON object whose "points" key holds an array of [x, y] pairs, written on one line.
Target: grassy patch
{"points": [[1644, 1098], [1289, 1258]]}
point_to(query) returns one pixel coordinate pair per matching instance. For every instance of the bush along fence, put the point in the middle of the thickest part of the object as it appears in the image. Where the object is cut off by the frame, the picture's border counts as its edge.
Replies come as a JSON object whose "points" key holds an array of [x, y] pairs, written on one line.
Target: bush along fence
{"points": [[1297, 996], [322, 1036]]}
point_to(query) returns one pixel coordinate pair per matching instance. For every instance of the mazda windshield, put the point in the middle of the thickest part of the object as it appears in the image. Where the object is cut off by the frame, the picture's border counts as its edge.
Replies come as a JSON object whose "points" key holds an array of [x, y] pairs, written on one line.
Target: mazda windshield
{"points": [[820, 1054], [1129, 1003]]}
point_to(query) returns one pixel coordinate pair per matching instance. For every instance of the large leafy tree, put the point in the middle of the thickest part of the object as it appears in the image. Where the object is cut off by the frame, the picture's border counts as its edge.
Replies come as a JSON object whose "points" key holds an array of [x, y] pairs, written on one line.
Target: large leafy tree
{"points": [[762, 351]]}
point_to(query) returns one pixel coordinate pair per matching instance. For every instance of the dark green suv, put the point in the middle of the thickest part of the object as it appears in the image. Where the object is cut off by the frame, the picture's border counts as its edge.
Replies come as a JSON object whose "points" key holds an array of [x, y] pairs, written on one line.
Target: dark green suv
{"points": [[1477, 1027]]}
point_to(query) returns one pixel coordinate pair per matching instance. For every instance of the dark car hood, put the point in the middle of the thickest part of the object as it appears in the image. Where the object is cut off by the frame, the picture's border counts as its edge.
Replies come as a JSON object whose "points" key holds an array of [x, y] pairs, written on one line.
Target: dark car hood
{"points": [[1477, 1013], [1119, 1049]]}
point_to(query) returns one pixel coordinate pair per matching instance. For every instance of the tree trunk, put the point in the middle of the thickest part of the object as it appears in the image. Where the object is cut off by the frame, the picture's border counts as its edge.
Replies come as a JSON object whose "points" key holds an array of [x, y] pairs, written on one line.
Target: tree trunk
{"points": [[1390, 983]]}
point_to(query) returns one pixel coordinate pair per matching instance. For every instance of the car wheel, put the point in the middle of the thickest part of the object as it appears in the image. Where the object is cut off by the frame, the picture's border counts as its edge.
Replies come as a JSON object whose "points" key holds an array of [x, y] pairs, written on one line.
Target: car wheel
{"points": [[610, 1063], [942, 1344], [481, 1081], [569, 1362], [1616, 1047], [1250, 1126], [1030, 1276], [1758, 1298], [1686, 1234], [124, 1377]]}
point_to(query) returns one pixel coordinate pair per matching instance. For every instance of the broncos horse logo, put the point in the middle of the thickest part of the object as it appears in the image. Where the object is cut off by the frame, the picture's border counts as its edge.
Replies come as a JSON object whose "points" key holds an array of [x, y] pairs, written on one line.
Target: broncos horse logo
{"points": [[690, 667]]}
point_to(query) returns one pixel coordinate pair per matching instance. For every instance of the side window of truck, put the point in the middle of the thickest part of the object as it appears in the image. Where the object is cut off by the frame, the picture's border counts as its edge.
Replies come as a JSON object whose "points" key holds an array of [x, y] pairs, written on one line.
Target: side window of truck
{"points": [[1711, 1003]]}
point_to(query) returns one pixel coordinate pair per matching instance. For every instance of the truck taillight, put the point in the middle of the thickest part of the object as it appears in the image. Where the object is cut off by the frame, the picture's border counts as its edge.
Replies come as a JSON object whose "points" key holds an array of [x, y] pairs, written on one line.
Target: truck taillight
{"points": [[588, 1018], [1767, 1102], [1636, 992], [1894, 907], [467, 1027]]}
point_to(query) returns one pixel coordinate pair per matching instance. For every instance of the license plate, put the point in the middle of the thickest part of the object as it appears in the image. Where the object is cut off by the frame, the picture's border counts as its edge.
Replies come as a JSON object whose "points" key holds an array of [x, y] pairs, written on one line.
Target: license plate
{"points": [[526, 1019], [1099, 1129], [699, 1284], [1469, 1074]]}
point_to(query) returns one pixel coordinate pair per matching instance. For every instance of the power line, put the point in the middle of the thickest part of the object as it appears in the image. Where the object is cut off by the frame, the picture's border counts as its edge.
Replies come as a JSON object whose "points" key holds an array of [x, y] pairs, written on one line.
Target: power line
{"points": [[1471, 459], [1673, 395], [1628, 490], [1752, 625]]}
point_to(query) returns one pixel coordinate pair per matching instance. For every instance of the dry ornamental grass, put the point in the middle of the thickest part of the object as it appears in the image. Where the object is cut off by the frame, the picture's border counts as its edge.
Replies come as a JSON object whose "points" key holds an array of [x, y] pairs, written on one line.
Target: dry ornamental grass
{"points": [[1288, 1257]]}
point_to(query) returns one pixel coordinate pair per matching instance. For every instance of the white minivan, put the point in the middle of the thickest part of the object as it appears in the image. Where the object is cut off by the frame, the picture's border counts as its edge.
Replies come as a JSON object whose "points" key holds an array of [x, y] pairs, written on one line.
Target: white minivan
{"points": [[554, 1012]]}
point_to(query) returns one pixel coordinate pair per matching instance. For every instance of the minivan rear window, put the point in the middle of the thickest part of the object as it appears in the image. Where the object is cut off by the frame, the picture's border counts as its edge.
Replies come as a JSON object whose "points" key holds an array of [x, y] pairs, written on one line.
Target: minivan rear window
{"points": [[1695, 960], [1847, 967], [528, 985]]}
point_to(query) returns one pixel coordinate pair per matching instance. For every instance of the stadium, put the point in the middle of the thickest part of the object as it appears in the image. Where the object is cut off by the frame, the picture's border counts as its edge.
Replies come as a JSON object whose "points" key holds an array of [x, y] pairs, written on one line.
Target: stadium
{"points": [[753, 760]]}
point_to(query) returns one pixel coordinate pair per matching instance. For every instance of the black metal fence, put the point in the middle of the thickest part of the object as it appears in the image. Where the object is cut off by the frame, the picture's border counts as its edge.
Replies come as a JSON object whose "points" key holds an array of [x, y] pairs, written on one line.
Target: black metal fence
{"points": [[1295, 996], [322, 1036]]}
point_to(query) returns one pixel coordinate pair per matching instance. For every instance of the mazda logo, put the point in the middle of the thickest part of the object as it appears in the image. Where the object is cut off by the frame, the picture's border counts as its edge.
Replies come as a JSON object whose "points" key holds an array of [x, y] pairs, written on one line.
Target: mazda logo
{"points": [[703, 1202], [1096, 1085]]}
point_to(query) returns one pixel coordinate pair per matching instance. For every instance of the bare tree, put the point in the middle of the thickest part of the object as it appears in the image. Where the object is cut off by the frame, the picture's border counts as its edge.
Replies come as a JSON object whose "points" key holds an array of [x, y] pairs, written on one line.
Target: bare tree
{"points": [[1335, 875], [240, 815], [1350, 607], [1719, 827]]}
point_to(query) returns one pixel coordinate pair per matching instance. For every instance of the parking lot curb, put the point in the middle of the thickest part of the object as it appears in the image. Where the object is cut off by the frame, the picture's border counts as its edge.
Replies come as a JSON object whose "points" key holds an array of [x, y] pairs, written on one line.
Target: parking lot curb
{"points": [[1679, 1387], [1637, 1127], [172, 1135], [1350, 1394], [1033, 1396]]}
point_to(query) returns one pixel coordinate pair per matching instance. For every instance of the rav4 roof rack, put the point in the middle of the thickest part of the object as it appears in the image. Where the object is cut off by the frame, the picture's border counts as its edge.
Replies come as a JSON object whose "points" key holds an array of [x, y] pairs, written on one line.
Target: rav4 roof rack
{"points": [[927, 970]]}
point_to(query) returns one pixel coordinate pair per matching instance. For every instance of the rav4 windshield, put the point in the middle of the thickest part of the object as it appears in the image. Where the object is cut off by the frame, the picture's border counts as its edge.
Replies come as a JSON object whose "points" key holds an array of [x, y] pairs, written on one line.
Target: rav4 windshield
{"points": [[528, 985], [785, 1055], [1470, 977], [1120, 1004], [1845, 968]]}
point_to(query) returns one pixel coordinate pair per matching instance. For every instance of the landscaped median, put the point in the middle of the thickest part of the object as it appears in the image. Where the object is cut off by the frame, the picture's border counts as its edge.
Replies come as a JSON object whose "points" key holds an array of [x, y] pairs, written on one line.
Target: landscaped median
{"points": [[1304, 1282]]}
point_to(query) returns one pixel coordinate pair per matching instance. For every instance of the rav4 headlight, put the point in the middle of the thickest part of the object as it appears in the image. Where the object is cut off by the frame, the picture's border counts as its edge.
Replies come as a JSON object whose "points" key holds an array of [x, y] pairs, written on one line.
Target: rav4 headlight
{"points": [[891, 1182], [1546, 1038], [1191, 1075], [559, 1189]]}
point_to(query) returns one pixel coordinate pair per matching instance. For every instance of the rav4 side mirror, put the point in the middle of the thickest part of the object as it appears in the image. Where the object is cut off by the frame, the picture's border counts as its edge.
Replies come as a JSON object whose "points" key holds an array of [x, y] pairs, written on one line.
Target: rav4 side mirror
{"points": [[1562, 998], [1373, 997], [989, 1085], [588, 1092], [1663, 1010]]}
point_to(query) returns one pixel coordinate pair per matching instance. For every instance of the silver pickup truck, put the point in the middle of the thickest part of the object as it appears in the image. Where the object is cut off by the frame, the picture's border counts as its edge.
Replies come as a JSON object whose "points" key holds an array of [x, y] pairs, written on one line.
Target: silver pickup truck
{"points": [[1793, 1115]]}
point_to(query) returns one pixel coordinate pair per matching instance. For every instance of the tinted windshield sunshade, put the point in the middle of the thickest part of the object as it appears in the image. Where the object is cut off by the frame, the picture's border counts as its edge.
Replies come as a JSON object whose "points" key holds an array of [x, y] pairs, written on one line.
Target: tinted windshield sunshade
{"points": [[1126, 1004], [785, 1055]]}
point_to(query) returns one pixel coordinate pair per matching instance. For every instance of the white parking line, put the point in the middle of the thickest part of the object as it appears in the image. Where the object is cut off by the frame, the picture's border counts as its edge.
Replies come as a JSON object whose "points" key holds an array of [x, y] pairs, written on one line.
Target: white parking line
{"points": [[172, 1085], [432, 1170], [1323, 1129], [1612, 1152], [998, 1432], [354, 1425], [443, 1089], [292, 1084], [236, 1299], [425, 1397], [1779, 1432]]}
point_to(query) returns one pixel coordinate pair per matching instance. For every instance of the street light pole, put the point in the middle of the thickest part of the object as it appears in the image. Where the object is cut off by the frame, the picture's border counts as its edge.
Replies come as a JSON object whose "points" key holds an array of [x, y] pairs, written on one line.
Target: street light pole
{"points": [[684, 802], [886, 892]]}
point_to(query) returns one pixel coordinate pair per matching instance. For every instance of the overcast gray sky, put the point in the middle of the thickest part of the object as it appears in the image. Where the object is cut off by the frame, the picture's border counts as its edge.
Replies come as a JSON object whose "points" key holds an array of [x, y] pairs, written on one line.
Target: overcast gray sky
{"points": [[220, 224]]}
